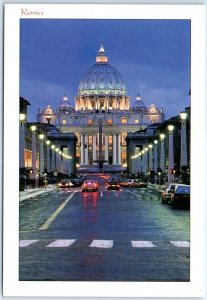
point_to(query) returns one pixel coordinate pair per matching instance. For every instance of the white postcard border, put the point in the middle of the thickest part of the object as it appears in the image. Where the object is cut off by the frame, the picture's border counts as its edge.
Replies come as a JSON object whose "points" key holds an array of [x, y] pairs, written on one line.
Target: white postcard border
{"points": [[11, 285]]}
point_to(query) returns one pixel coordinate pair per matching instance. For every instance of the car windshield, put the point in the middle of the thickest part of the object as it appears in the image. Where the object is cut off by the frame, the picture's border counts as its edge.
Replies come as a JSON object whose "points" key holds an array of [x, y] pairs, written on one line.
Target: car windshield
{"points": [[183, 189]]}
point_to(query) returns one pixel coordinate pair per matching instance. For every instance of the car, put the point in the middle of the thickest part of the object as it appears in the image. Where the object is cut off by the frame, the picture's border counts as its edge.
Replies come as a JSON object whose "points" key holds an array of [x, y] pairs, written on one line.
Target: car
{"points": [[181, 197], [166, 194], [142, 184], [125, 182], [90, 185], [77, 182], [113, 185], [65, 184]]}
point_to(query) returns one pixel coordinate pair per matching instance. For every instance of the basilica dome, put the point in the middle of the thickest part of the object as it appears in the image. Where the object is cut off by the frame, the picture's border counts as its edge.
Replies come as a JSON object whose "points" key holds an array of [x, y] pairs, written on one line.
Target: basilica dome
{"points": [[102, 79]]}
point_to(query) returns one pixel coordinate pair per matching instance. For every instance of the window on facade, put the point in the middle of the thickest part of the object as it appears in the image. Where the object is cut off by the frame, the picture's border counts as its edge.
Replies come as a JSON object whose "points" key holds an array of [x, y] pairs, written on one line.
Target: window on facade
{"points": [[124, 120], [136, 121], [90, 122], [64, 122], [109, 122]]}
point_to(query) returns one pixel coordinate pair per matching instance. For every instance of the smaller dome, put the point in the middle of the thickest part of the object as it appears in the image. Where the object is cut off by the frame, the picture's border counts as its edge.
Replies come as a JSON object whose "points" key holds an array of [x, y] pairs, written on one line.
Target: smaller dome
{"points": [[48, 110], [64, 104], [139, 103]]}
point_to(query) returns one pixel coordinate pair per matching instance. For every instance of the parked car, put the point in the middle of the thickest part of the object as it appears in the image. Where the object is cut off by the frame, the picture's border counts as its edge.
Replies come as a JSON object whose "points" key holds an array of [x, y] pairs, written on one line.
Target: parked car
{"points": [[181, 196], [141, 183], [166, 194], [133, 183], [64, 183], [113, 185], [125, 182], [90, 185]]}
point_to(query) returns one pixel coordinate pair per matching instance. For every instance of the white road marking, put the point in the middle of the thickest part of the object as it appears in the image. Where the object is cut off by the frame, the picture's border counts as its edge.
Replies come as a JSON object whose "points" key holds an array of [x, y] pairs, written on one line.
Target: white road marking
{"points": [[183, 244], [102, 244], [54, 215], [25, 243], [134, 194], [101, 194], [142, 244], [61, 243]]}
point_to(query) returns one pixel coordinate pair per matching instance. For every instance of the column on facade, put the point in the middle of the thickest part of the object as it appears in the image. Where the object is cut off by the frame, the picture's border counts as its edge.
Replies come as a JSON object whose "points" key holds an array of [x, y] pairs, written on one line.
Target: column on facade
{"points": [[82, 149], [150, 157], [114, 149], [62, 169], [57, 160], [106, 157], [94, 148], [41, 157], [162, 152], [170, 154], [69, 161], [107, 103], [143, 162], [34, 153], [183, 154], [146, 160], [155, 156], [86, 149], [21, 144], [119, 148], [139, 162]]}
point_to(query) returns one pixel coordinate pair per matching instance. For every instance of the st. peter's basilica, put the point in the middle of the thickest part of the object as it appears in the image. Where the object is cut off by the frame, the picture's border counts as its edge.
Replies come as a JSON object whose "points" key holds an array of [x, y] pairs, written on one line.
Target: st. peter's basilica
{"points": [[102, 117]]}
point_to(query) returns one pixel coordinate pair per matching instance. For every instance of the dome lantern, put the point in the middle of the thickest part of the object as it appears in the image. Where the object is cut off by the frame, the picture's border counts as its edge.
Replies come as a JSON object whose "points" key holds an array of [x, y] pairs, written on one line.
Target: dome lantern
{"points": [[101, 57]]}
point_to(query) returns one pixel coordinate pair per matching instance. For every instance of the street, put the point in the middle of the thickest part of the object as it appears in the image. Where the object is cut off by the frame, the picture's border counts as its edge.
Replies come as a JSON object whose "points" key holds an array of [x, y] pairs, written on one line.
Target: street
{"points": [[126, 235]]}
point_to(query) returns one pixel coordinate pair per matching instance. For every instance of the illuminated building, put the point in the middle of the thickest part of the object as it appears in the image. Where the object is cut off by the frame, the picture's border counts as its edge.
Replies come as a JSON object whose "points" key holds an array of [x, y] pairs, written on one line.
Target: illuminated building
{"points": [[102, 101]]}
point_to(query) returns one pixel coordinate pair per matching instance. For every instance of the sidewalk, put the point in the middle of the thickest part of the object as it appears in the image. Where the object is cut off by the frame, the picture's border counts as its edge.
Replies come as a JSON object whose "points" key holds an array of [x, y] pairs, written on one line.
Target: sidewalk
{"points": [[157, 187], [30, 192]]}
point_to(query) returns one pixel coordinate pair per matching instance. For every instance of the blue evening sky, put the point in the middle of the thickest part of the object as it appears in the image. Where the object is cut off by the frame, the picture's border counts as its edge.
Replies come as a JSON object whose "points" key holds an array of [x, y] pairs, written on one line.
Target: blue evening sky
{"points": [[153, 57]]}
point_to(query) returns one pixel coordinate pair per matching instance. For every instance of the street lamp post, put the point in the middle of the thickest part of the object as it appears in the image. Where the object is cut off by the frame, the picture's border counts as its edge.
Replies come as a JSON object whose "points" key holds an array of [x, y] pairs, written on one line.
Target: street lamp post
{"points": [[159, 175], [41, 168], [53, 158], [155, 155], [48, 155], [183, 154], [45, 180], [170, 155], [57, 159], [162, 152]]}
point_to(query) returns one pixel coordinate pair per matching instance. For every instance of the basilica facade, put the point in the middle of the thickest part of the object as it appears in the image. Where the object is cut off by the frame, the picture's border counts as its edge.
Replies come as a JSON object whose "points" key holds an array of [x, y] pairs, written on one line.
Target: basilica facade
{"points": [[102, 117]]}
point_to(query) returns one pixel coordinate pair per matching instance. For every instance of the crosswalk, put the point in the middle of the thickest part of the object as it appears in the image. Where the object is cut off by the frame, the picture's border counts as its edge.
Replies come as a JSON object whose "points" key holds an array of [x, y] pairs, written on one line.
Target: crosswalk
{"points": [[65, 243]]}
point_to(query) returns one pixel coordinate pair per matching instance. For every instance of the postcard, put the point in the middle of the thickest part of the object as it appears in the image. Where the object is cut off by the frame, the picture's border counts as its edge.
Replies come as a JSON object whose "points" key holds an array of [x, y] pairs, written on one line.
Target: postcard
{"points": [[103, 150]]}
